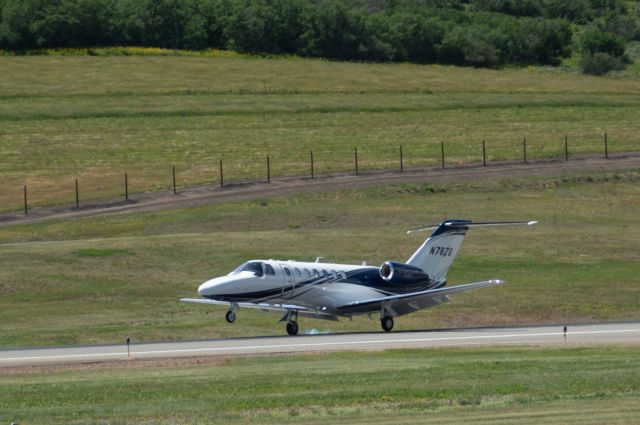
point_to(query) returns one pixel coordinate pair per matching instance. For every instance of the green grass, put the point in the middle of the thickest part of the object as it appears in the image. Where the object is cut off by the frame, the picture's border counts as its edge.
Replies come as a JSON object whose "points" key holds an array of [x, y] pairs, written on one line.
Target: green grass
{"points": [[100, 279], [488, 385], [95, 118]]}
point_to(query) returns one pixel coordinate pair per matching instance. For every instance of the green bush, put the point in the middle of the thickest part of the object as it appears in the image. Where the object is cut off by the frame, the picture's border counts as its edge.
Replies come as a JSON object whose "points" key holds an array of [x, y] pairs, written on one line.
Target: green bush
{"points": [[601, 63]]}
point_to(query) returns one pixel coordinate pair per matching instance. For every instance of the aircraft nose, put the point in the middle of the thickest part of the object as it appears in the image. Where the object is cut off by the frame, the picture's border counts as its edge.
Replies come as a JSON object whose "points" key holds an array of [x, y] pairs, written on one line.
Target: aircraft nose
{"points": [[208, 288]]}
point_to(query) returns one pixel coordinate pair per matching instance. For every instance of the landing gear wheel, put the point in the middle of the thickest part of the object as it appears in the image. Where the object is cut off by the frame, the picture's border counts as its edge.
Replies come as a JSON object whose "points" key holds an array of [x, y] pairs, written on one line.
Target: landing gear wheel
{"points": [[387, 323], [292, 328], [231, 316]]}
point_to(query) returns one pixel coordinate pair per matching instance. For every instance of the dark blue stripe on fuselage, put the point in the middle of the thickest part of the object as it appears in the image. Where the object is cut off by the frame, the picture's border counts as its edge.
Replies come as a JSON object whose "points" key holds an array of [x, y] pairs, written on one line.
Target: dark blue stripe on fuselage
{"points": [[368, 277]]}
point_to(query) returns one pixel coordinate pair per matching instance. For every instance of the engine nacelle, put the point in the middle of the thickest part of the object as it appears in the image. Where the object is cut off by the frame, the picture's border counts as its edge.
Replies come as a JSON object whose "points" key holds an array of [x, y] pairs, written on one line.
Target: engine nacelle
{"points": [[402, 274]]}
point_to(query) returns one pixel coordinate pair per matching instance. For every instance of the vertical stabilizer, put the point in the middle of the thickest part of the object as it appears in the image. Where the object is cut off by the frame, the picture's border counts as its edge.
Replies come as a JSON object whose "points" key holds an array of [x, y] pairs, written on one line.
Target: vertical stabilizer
{"points": [[437, 253]]}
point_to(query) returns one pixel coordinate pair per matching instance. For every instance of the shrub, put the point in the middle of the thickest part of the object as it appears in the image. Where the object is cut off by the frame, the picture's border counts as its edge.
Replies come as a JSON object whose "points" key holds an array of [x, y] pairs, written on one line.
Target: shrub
{"points": [[601, 63]]}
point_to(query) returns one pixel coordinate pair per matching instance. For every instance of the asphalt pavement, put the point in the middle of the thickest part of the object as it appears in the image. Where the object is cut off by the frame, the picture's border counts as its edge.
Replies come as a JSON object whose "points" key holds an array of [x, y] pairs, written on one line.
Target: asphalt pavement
{"points": [[611, 333]]}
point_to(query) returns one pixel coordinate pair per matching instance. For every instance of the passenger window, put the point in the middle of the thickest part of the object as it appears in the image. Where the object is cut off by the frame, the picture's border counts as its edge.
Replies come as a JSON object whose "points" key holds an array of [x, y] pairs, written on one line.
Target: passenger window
{"points": [[307, 273], [315, 273], [297, 272], [324, 272], [269, 270], [287, 271]]}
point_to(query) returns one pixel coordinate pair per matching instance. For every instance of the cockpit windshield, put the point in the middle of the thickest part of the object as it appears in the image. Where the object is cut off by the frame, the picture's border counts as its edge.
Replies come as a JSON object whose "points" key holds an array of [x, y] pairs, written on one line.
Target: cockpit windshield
{"points": [[255, 267]]}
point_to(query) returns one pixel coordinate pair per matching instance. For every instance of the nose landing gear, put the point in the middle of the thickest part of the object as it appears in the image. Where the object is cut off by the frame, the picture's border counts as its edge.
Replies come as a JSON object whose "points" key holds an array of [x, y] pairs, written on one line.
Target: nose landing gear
{"points": [[231, 314]]}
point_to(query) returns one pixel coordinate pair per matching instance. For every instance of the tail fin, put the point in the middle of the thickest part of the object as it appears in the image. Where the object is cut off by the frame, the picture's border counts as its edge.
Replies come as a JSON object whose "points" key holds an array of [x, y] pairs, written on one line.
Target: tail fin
{"points": [[437, 253]]}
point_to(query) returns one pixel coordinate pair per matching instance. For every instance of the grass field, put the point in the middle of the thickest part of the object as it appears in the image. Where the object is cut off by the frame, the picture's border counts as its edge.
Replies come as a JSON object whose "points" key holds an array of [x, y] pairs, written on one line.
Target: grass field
{"points": [[95, 118], [101, 279], [592, 385]]}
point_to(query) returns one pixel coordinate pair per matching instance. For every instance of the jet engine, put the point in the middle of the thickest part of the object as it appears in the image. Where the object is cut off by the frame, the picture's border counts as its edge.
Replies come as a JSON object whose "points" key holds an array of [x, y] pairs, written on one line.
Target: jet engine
{"points": [[402, 274]]}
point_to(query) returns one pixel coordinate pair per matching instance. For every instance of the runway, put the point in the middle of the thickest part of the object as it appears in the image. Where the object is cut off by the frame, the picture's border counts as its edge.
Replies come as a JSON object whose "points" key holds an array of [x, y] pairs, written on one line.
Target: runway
{"points": [[612, 333]]}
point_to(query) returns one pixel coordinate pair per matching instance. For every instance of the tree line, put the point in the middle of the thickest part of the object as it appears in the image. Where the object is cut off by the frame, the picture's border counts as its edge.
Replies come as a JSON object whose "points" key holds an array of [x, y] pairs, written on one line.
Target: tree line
{"points": [[483, 33]]}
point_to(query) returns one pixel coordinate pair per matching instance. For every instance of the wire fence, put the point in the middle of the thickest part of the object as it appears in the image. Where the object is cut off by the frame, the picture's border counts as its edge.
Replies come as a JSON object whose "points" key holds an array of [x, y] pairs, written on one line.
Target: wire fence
{"points": [[109, 185]]}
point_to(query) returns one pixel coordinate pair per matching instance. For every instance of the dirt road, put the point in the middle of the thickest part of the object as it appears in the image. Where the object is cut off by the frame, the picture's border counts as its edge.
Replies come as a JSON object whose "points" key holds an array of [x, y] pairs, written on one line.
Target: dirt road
{"points": [[285, 186]]}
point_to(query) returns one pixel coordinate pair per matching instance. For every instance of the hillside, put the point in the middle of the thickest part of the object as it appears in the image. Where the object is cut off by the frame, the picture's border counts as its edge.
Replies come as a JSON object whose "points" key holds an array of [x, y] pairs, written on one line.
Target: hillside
{"points": [[96, 118]]}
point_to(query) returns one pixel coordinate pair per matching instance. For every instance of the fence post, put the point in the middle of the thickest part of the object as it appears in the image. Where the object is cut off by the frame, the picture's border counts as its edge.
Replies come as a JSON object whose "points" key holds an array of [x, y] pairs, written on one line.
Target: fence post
{"points": [[524, 148], [484, 154], [268, 170], [566, 148], [442, 153], [77, 195], [312, 176], [126, 187], [221, 175], [401, 160], [173, 172], [355, 152], [26, 211], [606, 147]]}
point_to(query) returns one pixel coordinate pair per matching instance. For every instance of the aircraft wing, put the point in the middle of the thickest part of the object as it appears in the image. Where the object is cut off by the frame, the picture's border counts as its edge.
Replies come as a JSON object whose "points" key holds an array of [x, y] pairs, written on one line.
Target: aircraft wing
{"points": [[302, 311], [398, 305]]}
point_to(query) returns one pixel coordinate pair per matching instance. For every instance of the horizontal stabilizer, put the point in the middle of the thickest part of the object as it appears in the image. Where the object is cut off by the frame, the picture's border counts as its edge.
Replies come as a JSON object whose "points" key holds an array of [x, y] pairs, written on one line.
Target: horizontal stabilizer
{"points": [[464, 224]]}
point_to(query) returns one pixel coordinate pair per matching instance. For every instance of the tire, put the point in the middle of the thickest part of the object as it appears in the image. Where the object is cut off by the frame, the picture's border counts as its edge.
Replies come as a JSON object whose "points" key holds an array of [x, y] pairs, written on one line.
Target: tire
{"points": [[231, 316], [292, 328], [387, 323]]}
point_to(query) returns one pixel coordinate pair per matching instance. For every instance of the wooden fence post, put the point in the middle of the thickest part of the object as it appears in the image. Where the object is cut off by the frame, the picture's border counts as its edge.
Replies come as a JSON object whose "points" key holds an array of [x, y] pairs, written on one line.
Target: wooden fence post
{"points": [[26, 209], [312, 175], [484, 154], [221, 175], [268, 170], [77, 195], [173, 172], [355, 152]]}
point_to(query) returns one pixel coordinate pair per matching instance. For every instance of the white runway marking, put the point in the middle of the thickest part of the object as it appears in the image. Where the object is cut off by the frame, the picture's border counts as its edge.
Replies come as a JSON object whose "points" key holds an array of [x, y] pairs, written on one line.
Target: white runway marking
{"points": [[578, 334]]}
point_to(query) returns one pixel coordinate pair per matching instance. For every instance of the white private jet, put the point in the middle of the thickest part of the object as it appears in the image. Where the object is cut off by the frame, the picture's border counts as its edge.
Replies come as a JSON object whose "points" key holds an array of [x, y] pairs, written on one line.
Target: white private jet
{"points": [[328, 291]]}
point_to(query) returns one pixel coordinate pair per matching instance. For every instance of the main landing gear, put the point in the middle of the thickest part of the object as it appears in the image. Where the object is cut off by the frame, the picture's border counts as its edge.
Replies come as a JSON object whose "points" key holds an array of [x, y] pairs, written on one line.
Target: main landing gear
{"points": [[292, 328], [387, 323], [292, 322]]}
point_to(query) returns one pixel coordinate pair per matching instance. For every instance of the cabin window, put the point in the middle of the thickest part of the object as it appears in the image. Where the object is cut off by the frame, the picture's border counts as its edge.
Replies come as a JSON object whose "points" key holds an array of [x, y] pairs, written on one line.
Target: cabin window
{"points": [[287, 271], [297, 272], [269, 270], [307, 273], [324, 272], [315, 273]]}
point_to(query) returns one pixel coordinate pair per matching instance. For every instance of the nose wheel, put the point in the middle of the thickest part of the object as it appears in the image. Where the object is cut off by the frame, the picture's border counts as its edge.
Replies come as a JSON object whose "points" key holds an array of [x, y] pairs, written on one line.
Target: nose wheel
{"points": [[387, 323], [231, 316]]}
